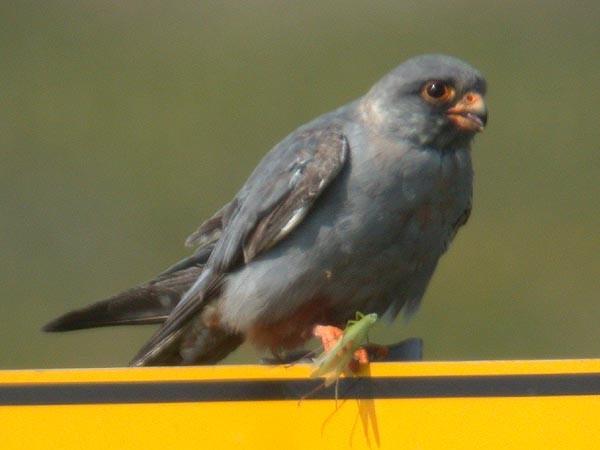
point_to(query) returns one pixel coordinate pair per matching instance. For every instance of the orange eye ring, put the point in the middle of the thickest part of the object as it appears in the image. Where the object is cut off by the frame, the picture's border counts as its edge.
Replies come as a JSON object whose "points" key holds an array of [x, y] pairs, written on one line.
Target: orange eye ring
{"points": [[437, 92]]}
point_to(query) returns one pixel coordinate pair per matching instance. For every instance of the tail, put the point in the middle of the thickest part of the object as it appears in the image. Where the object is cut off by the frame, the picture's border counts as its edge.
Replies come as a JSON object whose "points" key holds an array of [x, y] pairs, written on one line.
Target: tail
{"points": [[147, 303], [152, 302]]}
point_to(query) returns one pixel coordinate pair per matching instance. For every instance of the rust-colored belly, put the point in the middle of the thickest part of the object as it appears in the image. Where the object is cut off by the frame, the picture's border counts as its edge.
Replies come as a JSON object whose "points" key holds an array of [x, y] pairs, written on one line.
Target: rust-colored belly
{"points": [[294, 330]]}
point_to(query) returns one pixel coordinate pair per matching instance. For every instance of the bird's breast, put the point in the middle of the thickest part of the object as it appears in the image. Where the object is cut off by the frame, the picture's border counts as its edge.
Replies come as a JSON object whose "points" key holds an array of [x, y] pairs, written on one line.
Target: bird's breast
{"points": [[375, 236], [395, 184]]}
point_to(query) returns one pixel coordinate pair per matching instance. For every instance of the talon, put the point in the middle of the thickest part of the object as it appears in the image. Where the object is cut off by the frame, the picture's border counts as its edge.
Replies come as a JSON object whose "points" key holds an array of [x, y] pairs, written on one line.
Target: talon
{"points": [[329, 335], [360, 358], [376, 352]]}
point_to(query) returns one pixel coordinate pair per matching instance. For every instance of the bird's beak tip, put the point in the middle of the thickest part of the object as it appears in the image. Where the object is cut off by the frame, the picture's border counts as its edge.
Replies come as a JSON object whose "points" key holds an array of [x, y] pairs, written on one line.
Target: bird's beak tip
{"points": [[469, 113]]}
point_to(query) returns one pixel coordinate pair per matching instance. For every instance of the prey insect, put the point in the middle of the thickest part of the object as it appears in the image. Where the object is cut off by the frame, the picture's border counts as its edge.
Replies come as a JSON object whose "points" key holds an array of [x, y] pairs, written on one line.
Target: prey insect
{"points": [[336, 360]]}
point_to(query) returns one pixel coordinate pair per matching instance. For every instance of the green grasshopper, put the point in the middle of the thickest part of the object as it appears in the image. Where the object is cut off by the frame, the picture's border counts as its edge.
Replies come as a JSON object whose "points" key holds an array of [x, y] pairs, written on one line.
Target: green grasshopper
{"points": [[333, 362]]}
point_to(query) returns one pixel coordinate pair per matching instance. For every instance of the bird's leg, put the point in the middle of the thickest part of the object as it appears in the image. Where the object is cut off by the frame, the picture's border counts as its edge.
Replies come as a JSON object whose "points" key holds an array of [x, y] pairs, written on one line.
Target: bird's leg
{"points": [[330, 336]]}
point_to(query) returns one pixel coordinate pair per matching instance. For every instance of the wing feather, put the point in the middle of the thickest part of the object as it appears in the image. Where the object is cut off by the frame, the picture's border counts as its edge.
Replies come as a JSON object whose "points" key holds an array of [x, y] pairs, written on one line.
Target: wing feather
{"points": [[273, 202], [314, 169]]}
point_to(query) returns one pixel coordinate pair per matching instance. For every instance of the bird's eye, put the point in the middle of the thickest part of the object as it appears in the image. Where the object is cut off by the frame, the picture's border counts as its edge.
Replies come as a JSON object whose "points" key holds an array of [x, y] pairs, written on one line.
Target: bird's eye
{"points": [[437, 92]]}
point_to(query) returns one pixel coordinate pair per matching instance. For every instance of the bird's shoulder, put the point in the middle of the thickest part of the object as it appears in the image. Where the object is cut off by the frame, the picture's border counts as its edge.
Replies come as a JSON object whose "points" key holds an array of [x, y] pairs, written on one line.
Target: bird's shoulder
{"points": [[278, 194]]}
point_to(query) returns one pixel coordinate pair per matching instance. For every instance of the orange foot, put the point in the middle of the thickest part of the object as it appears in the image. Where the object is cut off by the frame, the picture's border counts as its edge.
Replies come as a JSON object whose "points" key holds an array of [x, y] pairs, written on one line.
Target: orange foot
{"points": [[330, 336]]}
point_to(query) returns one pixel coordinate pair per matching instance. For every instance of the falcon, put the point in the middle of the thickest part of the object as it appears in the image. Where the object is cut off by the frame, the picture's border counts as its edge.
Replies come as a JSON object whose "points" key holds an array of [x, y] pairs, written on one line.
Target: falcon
{"points": [[350, 212]]}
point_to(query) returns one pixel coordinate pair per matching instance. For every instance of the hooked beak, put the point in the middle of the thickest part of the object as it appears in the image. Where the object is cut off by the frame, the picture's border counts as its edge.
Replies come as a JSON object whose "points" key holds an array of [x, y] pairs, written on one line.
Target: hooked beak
{"points": [[470, 113]]}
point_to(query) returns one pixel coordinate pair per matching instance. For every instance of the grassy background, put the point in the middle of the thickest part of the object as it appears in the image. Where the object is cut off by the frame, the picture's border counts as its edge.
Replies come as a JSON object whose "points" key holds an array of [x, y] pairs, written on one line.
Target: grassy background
{"points": [[124, 124]]}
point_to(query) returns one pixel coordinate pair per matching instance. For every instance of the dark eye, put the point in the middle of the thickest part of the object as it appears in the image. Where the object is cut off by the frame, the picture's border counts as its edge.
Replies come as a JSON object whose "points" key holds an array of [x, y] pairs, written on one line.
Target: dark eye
{"points": [[437, 92]]}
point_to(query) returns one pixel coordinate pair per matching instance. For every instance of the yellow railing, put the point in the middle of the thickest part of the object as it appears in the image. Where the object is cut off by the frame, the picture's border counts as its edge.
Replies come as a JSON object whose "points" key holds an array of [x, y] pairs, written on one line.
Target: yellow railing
{"points": [[417, 405]]}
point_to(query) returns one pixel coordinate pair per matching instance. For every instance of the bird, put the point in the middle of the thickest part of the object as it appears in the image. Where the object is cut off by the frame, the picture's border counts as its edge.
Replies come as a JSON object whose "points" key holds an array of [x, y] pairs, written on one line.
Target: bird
{"points": [[349, 213]]}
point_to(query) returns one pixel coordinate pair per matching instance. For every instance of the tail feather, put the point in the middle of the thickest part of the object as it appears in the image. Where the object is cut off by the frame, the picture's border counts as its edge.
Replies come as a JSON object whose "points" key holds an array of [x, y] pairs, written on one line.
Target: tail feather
{"points": [[201, 341], [195, 344], [148, 303]]}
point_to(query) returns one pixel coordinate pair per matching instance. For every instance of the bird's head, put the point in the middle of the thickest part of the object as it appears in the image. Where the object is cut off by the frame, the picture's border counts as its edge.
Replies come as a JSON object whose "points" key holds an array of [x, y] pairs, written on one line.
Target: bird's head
{"points": [[432, 100]]}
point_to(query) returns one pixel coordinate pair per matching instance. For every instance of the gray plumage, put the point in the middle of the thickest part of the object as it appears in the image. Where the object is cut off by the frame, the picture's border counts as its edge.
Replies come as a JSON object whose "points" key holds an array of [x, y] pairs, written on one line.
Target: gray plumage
{"points": [[348, 213]]}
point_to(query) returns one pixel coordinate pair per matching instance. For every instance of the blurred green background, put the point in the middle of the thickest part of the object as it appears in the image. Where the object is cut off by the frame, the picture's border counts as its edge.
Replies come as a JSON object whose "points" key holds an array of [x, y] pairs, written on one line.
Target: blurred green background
{"points": [[124, 124]]}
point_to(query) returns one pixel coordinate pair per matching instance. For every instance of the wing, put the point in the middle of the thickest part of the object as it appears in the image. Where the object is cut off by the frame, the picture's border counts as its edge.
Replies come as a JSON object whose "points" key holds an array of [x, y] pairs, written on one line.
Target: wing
{"points": [[209, 231], [272, 203], [279, 194]]}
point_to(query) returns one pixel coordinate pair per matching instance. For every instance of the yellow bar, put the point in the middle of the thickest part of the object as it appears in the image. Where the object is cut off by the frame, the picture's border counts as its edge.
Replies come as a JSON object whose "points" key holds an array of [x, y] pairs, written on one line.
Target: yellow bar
{"points": [[550, 421]]}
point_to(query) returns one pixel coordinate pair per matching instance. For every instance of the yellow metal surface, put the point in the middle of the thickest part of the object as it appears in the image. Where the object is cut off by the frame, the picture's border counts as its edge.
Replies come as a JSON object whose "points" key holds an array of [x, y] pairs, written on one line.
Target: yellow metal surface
{"points": [[526, 422]]}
